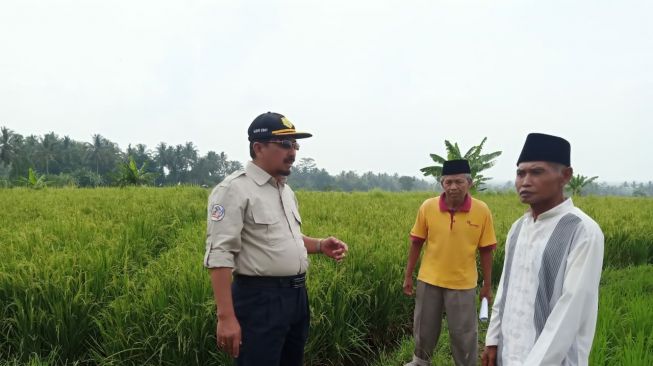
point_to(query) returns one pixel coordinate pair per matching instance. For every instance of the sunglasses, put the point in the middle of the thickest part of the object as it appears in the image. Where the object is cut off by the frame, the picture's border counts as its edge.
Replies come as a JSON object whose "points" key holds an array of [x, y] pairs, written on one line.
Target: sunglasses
{"points": [[286, 144]]}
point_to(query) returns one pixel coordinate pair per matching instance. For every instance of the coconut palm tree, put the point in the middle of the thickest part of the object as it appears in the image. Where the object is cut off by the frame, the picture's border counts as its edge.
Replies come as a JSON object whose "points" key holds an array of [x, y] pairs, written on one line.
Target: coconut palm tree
{"points": [[7, 145], [96, 151], [47, 149]]}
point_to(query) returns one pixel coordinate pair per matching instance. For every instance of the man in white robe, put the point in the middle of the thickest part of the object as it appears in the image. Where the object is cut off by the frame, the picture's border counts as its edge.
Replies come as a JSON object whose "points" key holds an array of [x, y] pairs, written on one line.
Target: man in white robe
{"points": [[546, 304]]}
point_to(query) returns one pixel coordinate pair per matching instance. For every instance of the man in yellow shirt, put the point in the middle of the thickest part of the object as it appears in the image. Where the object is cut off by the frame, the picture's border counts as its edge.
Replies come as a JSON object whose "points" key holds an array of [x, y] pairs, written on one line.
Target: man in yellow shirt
{"points": [[453, 226]]}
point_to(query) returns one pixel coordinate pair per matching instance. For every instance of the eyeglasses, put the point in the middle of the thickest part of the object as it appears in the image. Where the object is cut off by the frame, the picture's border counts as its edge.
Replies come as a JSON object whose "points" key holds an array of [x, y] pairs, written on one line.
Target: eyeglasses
{"points": [[286, 144]]}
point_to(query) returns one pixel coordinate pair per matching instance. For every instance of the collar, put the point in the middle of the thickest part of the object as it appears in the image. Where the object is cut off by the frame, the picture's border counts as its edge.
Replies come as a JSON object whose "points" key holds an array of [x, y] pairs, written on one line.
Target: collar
{"points": [[260, 176], [558, 210], [466, 206]]}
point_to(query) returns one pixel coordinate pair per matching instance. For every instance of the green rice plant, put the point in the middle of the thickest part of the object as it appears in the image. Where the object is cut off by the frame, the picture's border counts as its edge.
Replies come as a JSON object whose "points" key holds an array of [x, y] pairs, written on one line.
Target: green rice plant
{"points": [[166, 317], [114, 277], [623, 331], [66, 263], [636, 350]]}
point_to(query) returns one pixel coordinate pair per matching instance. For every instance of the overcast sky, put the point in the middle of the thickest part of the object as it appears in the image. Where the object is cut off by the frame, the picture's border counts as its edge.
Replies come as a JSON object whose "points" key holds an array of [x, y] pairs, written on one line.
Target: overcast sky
{"points": [[380, 84]]}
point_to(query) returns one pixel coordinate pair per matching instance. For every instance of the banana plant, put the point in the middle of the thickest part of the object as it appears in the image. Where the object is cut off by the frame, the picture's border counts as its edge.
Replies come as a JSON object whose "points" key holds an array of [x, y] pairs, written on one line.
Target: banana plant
{"points": [[130, 174], [578, 182], [33, 180], [478, 162]]}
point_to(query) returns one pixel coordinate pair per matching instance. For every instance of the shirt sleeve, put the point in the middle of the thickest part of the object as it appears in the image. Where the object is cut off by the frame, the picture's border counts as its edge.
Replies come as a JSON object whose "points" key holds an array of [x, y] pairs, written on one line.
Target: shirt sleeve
{"points": [[494, 328], [488, 237], [575, 312], [420, 230], [226, 213]]}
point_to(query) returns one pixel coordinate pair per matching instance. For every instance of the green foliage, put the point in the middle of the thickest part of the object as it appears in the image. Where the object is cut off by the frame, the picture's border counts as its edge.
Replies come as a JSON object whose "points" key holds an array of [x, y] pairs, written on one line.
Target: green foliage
{"points": [[62, 180], [478, 162], [87, 178], [114, 277], [33, 180], [60, 156], [8, 146], [578, 182], [623, 329], [307, 176], [5, 181], [131, 175]]}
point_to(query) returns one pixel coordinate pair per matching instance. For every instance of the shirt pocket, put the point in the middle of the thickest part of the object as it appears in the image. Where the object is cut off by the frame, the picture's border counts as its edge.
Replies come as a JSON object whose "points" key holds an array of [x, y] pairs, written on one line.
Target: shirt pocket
{"points": [[298, 218], [296, 223], [268, 227]]}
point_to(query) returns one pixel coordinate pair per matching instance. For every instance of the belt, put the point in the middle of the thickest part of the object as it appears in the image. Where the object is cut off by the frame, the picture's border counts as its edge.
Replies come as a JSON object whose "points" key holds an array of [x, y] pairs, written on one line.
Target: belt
{"points": [[296, 281]]}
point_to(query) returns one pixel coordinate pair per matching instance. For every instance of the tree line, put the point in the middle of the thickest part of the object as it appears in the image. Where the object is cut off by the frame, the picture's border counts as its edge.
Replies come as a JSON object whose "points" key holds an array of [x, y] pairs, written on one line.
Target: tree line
{"points": [[633, 189], [67, 162], [52, 160], [307, 176]]}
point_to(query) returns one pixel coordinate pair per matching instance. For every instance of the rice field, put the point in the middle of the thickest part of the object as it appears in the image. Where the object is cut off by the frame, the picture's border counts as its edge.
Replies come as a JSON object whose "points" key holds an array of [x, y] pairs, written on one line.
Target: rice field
{"points": [[114, 277]]}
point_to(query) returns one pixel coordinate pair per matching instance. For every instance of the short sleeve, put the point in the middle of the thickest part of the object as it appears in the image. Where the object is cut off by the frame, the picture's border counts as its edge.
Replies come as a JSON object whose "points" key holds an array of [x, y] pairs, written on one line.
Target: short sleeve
{"points": [[225, 218], [420, 229], [488, 237]]}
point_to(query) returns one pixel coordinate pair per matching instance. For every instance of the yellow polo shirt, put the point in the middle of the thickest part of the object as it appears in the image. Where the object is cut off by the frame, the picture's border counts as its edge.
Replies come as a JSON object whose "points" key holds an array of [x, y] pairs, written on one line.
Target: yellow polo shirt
{"points": [[451, 240]]}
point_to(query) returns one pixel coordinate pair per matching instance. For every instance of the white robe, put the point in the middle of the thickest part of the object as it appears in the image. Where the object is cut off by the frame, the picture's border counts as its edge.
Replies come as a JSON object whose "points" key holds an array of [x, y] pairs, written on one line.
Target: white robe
{"points": [[546, 305]]}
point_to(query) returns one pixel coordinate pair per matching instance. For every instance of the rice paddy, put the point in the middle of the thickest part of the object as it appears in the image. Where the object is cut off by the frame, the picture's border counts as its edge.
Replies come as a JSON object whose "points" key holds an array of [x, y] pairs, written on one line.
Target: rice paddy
{"points": [[114, 277]]}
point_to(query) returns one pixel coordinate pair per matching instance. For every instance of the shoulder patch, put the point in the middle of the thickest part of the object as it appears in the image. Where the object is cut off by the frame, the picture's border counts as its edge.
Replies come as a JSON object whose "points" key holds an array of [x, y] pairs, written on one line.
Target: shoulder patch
{"points": [[217, 212]]}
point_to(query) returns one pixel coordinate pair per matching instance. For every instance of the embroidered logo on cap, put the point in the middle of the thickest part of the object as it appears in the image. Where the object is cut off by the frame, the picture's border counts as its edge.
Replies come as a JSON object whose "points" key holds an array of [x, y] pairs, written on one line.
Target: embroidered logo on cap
{"points": [[286, 123], [217, 213]]}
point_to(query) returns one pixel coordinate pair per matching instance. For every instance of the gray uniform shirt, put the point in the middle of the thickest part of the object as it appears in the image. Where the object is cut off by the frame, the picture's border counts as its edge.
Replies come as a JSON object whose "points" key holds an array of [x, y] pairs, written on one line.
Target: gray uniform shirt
{"points": [[253, 226]]}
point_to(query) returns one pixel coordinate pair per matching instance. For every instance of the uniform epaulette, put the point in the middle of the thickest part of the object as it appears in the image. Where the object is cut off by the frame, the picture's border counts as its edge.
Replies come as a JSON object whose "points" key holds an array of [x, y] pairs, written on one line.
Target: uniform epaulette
{"points": [[231, 177]]}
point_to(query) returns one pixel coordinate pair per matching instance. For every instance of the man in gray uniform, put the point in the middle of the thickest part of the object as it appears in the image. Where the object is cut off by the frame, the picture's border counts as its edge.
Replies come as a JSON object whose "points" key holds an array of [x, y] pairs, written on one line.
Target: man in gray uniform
{"points": [[254, 235]]}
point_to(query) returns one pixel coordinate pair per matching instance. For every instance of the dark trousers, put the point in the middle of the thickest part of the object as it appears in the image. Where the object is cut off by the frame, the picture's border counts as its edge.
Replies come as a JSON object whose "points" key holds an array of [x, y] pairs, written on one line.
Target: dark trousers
{"points": [[274, 324]]}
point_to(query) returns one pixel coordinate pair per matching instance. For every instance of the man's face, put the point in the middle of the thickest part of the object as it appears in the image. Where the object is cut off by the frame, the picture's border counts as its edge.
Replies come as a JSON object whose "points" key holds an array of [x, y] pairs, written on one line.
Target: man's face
{"points": [[456, 186], [278, 155], [539, 182]]}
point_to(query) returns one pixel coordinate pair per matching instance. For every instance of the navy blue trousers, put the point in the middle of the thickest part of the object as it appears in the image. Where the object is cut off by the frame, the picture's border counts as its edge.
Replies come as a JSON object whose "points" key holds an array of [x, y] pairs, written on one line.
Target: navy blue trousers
{"points": [[274, 325]]}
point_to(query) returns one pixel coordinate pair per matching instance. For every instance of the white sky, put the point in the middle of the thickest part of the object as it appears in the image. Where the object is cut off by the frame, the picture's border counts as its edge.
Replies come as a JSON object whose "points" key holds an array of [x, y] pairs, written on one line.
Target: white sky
{"points": [[380, 84]]}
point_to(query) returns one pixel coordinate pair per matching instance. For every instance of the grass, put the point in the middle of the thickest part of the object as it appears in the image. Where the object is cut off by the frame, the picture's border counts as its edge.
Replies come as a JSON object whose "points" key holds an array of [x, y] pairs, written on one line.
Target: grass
{"points": [[114, 277]]}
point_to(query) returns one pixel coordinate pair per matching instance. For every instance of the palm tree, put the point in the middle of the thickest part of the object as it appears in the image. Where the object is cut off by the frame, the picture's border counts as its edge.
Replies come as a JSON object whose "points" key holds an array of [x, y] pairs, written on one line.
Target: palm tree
{"points": [[96, 151], [478, 162], [190, 155], [67, 152], [578, 182], [48, 149], [187, 159], [7, 145], [161, 159], [142, 154]]}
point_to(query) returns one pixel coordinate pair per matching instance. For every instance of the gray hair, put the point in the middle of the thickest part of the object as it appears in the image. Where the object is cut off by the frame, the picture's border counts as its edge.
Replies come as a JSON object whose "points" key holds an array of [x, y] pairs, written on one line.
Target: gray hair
{"points": [[467, 176]]}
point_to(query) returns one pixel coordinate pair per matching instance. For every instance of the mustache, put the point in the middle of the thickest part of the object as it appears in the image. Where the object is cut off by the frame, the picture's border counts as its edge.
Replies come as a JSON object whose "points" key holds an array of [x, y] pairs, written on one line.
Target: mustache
{"points": [[289, 160]]}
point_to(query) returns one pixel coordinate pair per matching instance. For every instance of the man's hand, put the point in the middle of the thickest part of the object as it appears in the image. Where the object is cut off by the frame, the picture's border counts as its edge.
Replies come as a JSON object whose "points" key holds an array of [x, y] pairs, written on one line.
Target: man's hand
{"points": [[486, 291], [228, 335], [334, 248], [408, 286], [489, 357]]}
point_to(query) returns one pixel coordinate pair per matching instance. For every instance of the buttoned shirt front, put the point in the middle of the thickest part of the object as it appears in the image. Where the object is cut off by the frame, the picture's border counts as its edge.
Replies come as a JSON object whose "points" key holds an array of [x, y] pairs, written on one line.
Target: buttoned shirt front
{"points": [[546, 305], [254, 226]]}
